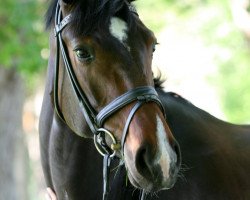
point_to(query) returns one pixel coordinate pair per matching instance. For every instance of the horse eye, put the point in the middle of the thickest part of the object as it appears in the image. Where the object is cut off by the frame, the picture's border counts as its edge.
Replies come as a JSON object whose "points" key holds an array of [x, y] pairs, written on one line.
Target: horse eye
{"points": [[154, 46], [83, 54]]}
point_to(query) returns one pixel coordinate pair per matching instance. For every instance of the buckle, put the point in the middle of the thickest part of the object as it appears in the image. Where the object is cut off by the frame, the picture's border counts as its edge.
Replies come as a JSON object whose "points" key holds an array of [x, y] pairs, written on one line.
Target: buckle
{"points": [[101, 145]]}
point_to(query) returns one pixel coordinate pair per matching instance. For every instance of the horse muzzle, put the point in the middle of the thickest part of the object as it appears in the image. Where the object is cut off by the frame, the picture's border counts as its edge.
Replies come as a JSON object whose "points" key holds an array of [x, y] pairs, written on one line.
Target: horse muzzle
{"points": [[153, 171]]}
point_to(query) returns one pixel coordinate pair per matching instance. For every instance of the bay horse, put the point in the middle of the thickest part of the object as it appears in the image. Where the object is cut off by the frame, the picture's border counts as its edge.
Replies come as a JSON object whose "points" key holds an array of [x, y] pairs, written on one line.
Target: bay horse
{"points": [[100, 90], [215, 156]]}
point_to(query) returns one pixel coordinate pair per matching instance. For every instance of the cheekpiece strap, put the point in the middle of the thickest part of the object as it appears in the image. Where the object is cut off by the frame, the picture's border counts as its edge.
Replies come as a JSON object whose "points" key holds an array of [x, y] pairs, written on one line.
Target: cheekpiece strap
{"points": [[59, 27]]}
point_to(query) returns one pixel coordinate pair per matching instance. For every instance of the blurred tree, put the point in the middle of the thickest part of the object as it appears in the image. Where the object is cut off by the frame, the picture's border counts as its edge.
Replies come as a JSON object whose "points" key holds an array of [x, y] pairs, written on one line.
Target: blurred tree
{"points": [[13, 157], [22, 39], [228, 40], [224, 28], [21, 45]]}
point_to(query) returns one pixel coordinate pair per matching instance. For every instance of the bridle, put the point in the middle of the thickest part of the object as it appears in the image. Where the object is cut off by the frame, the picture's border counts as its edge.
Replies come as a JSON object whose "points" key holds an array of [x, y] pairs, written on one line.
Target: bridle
{"points": [[95, 121]]}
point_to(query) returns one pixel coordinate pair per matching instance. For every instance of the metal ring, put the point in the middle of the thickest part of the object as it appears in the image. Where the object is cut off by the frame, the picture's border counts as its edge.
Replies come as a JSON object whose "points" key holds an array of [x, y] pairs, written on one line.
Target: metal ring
{"points": [[98, 146]]}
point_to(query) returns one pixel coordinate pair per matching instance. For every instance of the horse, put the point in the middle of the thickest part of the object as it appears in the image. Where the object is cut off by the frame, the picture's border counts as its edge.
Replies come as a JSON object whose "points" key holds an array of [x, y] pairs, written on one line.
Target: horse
{"points": [[100, 90], [215, 156]]}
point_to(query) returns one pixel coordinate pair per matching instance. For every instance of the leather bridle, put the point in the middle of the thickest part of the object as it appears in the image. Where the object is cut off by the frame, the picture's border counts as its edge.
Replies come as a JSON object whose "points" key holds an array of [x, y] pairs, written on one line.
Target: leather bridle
{"points": [[95, 121]]}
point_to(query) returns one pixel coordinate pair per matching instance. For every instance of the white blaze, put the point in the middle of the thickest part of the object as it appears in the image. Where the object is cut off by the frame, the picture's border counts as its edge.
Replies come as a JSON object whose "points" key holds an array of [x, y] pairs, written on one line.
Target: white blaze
{"points": [[165, 151], [118, 28]]}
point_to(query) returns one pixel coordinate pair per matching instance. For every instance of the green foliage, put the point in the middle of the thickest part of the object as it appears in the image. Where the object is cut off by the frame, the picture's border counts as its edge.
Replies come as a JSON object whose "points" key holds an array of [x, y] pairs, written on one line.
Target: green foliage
{"points": [[22, 36], [152, 13], [24, 42], [232, 57], [235, 94], [212, 21]]}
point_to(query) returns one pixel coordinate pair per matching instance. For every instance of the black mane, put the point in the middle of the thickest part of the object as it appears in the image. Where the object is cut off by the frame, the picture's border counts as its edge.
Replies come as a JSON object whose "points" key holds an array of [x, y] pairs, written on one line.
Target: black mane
{"points": [[158, 82], [90, 15]]}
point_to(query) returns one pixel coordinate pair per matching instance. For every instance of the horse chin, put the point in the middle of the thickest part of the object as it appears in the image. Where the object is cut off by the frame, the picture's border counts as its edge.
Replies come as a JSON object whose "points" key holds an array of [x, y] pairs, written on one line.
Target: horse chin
{"points": [[140, 183], [150, 185]]}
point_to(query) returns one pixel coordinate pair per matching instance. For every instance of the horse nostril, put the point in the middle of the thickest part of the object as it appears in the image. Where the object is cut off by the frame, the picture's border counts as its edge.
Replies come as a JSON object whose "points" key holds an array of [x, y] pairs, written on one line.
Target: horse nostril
{"points": [[142, 161], [176, 148]]}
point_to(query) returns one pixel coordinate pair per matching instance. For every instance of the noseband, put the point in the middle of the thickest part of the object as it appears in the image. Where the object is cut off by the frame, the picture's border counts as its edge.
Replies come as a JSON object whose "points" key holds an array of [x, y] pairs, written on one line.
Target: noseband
{"points": [[95, 121]]}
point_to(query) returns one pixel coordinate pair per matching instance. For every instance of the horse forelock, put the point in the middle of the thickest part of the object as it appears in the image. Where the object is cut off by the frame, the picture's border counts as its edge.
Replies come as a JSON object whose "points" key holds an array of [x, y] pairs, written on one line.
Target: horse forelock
{"points": [[90, 15]]}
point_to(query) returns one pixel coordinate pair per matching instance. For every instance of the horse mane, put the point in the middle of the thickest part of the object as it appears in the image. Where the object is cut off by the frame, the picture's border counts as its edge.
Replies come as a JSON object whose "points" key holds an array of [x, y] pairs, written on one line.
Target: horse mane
{"points": [[90, 15], [158, 82]]}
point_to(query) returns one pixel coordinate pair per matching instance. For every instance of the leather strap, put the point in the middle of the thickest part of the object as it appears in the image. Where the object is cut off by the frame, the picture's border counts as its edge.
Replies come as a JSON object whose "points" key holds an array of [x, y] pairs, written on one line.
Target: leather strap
{"points": [[106, 172], [61, 25], [129, 119], [143, 195], [88, 112], [144, 93]]}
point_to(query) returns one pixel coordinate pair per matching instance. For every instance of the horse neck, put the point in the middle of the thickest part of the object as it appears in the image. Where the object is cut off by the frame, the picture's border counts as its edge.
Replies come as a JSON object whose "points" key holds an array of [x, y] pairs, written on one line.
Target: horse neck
{"points": [[193, 125]]}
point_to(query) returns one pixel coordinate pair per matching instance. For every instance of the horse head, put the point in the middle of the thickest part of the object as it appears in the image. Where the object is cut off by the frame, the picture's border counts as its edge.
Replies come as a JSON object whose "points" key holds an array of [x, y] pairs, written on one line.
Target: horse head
{"points": [[104, 55]]}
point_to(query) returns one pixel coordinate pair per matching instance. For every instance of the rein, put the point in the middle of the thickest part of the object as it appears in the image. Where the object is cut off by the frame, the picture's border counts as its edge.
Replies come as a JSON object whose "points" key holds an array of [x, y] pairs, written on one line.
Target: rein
{"points": [[95, 121]]}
